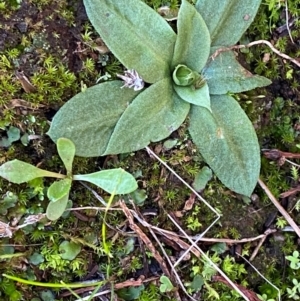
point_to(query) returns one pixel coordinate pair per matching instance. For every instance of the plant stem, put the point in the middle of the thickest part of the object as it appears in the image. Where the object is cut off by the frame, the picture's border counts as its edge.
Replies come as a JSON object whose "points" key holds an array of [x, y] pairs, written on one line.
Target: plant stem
{"points": [[54, 285]]}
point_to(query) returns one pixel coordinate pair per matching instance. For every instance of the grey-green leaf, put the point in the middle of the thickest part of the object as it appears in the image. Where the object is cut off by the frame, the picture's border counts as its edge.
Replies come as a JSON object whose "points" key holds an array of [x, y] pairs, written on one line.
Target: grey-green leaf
{"points": [[201, 178], [227, 20], [66, 151], [69, 250], [59, 189], [193, 40], [17, 171], [56, 209], [89, 118], [13, 134], [225, 74], [227, 141], [199, 97], [138, 36], [152, 116], [113, 181]]}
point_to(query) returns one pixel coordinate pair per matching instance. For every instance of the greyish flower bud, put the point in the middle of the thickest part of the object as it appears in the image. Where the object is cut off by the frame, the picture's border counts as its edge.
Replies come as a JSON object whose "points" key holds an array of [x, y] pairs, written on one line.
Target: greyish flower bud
{"points": [[132, 80]]}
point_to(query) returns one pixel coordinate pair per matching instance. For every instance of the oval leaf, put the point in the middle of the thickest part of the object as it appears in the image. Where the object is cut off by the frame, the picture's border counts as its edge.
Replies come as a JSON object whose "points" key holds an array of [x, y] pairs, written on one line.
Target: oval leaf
{"points": [[193, 40], [69, 250], [138, 36], [227, 20], [59, 189], [17, 171], [227, 141], [152, 116], [66, 151], [201, 178], [13, 134], [113, 181], [89, 118], [225, 74], [130, 293], [56, 209], [199, 97]]}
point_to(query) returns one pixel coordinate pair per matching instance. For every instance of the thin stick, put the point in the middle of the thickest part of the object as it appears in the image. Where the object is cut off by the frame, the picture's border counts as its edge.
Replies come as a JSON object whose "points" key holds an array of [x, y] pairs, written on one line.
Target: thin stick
{"points": [[261, 275], [217, 52], [279, 207], [145, 239], [98, 197], [173, 270], [194, 244], [150, 152], [257, 249], [287, 21]]}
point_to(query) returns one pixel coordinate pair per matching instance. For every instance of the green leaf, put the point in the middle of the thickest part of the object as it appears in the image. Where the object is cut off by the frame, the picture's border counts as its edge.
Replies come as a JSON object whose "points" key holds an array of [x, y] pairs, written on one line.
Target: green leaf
{"points": [[89, 118], [152, 116], [36, 258], [184, 76], [66, 151], [25, 139], [227, 141], [225, 74], [193, 40], [17, 172], [113, 181], [199, 97], [139, 196], [59, 189], [69, 250], [219, 247], [56, 209], [197, 283], [13, 134], [138, 36], [47, 295], [170, 143], [166, 284], [227, 20], [130, 293], [201, 178]]}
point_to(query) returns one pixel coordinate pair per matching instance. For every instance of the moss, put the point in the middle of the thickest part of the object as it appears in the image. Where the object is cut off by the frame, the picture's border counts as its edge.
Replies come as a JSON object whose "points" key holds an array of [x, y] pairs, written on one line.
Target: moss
{"points": [[59, 68]]}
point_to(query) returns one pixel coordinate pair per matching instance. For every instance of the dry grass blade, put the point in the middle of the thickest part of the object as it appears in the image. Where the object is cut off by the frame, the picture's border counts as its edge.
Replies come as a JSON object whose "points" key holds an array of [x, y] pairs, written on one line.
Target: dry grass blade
{"points": [[145, 239], [279, 207], [259, 42], [194, 244]]}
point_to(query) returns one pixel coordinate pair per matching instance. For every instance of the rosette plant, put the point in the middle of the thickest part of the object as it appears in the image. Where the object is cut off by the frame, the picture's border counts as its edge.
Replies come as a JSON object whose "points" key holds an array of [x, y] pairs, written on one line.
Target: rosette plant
{"points": [[170, 76]]}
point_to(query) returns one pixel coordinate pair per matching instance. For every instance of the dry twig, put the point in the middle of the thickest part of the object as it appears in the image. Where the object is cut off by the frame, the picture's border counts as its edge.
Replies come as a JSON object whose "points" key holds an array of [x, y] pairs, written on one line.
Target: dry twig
{"points": [[250, 294], [279, 207], [145, 239], [287, 21], [217, 52]]}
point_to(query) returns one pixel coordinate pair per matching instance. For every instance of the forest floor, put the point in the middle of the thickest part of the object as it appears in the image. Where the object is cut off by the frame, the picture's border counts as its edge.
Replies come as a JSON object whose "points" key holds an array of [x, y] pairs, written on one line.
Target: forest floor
{"points": [[48, 53]]}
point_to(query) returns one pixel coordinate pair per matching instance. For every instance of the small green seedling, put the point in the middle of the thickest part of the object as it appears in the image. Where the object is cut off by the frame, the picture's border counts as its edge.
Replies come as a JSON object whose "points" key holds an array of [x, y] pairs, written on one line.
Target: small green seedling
{"points": [[13, 134], [294, 260], [170, 76], [264, 297], [114, 181], [294, 292], [166, 284]]}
